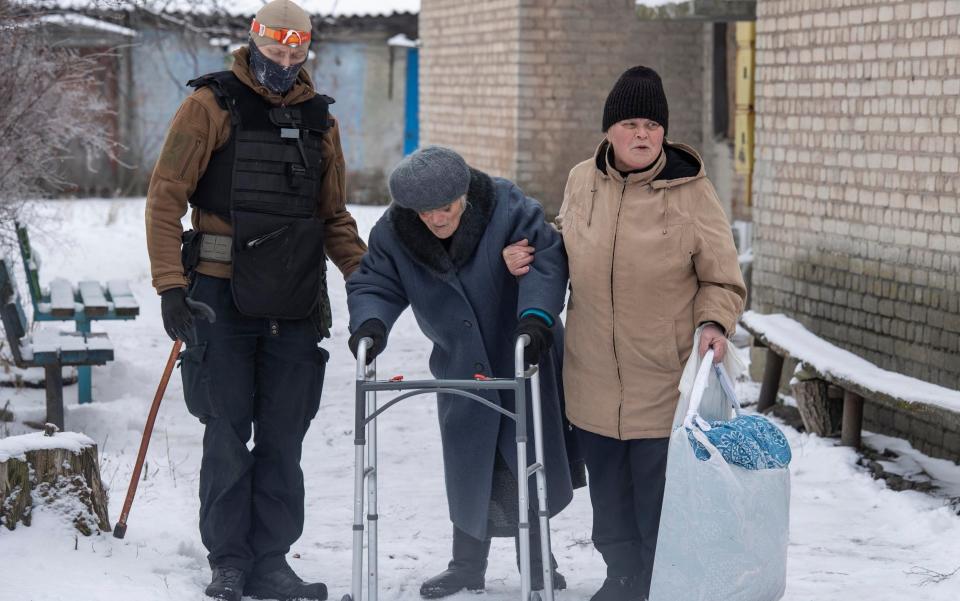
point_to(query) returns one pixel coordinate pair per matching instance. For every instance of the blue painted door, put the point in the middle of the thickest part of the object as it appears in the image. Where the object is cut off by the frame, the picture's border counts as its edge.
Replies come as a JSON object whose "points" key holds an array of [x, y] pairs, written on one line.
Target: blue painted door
{"points": [[411, 134]]}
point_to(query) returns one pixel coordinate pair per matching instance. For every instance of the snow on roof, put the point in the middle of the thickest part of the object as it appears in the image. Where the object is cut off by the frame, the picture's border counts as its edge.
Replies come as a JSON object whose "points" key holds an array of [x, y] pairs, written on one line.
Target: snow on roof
{"points": [[75, 20], [788, 334], [402, 41], [338, 8], [17, 446]]}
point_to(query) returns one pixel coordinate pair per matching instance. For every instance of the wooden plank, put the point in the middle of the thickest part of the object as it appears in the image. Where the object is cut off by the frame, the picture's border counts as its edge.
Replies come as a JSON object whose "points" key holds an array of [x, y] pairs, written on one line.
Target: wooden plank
{"points": [[54, 386], [10, 314], [950, 419], [62, 303], [124, 303], [7, 283], [31, 264], [93, 299], [852, 419], [70, 348]]}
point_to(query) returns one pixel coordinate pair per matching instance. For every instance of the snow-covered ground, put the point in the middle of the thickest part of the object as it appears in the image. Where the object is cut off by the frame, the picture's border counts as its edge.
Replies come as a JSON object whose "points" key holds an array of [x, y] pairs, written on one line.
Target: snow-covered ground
{"points": [[851, 537]]}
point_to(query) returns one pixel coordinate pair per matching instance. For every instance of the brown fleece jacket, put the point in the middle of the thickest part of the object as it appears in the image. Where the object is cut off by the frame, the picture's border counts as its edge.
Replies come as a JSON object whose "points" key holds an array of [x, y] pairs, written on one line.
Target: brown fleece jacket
{"points": [[199, 128]]}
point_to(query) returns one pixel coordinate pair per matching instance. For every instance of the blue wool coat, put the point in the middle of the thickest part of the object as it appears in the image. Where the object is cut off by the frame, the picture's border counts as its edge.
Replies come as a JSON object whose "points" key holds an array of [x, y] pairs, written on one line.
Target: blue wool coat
{"points": [[468, 305]]}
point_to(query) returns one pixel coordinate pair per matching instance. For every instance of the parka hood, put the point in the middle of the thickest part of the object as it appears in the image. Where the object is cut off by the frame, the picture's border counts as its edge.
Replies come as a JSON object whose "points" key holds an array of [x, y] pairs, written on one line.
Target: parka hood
{"points": [[682, 164]]}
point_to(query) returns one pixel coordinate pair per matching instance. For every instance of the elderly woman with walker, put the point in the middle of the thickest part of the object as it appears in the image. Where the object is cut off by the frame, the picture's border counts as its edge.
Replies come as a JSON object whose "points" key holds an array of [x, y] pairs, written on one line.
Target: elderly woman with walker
{"points": [[437, 249]]}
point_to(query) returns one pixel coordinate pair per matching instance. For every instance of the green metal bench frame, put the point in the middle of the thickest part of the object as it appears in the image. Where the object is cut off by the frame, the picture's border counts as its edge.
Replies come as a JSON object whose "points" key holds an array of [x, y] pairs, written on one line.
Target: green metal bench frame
{"points": [[84, 303], [51, 350]]}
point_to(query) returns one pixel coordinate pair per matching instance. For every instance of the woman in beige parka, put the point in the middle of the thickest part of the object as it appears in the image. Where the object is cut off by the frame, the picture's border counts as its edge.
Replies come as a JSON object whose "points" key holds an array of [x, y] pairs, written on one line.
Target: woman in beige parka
{"points": [[651, 258]]}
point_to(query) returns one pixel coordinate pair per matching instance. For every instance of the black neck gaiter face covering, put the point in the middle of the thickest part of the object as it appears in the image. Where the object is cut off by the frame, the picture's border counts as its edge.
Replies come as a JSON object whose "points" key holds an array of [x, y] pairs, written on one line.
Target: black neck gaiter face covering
{"points": [[274, 77]]}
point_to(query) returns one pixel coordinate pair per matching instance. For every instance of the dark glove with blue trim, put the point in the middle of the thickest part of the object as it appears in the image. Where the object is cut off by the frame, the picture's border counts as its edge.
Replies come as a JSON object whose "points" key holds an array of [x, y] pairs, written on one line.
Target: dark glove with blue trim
{"points": [[375, 331], [541, 337]]}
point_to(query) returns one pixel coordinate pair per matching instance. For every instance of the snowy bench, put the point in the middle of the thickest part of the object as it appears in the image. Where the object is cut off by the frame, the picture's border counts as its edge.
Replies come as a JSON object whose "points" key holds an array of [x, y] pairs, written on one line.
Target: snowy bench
{"points": [[82, 303], [858, 378], [48, 349]]}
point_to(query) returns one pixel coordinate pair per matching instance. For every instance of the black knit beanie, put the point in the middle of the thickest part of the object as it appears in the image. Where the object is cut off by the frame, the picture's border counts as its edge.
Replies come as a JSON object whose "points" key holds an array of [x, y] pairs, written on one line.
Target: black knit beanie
{"points": [[638, 94]]}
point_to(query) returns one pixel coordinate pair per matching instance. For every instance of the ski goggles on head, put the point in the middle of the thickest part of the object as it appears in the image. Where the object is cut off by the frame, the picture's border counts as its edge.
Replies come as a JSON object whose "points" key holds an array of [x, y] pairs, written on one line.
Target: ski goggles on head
{"points": [[287, 37]]}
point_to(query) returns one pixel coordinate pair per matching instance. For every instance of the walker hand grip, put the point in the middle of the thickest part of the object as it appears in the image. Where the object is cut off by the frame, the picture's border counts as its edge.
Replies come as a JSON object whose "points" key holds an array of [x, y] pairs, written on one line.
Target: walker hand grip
{"points": [[363, 346], [522, 341]]}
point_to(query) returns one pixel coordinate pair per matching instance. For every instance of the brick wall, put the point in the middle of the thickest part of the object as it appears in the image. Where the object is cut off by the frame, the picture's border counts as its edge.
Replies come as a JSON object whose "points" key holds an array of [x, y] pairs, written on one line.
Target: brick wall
{"points": [[856, 177], [518, 86], [469, 80]]}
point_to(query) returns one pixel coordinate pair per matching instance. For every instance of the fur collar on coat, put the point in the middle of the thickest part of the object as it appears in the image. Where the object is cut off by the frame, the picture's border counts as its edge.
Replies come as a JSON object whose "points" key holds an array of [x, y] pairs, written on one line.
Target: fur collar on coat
{"points": [[428, 250]]}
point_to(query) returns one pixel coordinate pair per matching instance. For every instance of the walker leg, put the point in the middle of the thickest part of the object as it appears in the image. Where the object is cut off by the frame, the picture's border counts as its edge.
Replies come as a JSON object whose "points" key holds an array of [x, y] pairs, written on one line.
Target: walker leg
{"points": [[524, 524], [542, 509], [522, 478], [356, 585], [372, 585], [359, 475]]}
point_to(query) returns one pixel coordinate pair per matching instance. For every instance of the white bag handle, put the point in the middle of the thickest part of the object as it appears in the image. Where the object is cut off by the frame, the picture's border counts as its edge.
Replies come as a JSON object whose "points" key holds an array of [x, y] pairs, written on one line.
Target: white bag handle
{"points": [[700, 386], [727, 385]]}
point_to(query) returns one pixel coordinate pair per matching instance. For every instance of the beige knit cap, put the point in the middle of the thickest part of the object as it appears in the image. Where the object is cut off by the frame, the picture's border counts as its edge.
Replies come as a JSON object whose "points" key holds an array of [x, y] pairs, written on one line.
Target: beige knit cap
{"points": [[280, 14]]}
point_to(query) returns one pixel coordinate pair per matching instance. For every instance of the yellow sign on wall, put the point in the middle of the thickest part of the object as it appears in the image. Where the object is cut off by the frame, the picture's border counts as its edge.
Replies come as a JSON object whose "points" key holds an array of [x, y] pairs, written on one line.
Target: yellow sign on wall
{"points": [[743, 121]]}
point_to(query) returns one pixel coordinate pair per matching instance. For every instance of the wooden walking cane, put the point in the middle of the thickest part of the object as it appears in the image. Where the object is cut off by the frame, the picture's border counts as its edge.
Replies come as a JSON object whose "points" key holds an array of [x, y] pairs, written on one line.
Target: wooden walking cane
{"points": [[200, 311], [121, 527]]}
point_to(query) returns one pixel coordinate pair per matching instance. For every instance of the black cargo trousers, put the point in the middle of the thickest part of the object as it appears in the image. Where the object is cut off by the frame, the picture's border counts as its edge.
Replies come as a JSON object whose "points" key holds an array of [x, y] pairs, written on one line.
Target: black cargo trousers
{"points": [[244, 376]]}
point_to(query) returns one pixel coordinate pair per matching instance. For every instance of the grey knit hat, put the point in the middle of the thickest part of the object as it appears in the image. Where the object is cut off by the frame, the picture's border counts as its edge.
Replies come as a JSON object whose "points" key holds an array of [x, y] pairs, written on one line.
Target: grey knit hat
{"points": [[429, 179]]}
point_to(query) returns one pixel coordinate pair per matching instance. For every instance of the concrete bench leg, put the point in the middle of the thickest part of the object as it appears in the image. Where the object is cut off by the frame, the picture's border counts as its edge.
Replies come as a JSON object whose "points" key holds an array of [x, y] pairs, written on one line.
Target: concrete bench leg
{"points": [[54, 383], [852, 419], [771, 381]]}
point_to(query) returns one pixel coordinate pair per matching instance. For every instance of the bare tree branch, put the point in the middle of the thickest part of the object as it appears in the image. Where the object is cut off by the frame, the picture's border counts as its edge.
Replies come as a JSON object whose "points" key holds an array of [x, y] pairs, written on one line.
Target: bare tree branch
{"points": [[929, 576], [49, 108]]}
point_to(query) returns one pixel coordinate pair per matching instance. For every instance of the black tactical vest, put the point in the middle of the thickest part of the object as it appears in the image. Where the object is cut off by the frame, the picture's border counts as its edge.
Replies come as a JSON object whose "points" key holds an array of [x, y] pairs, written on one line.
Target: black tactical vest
{"points": [[265, 181]]}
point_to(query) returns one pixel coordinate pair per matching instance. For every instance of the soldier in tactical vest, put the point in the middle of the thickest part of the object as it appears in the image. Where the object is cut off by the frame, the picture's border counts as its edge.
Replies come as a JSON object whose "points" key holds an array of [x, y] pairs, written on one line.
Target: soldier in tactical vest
{"points": [[256, 155]]}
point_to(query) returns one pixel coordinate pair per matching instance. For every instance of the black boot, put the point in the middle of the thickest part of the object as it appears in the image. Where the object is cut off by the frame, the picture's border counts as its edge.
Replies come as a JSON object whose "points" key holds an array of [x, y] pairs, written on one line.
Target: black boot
{"points": [[536, 563], [465, 571], [619, 588], [227, 584], [283, 584]]}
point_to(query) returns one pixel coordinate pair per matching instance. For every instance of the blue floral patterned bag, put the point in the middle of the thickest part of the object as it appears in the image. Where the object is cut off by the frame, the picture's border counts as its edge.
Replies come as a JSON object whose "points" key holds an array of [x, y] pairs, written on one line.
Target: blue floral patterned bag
{"points": [[750, 441]]}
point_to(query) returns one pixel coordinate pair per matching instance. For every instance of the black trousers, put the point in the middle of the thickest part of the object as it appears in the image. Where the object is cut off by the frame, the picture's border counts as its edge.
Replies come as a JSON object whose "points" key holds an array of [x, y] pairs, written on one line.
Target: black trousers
{"points": [[626, 479], [250, 377]]}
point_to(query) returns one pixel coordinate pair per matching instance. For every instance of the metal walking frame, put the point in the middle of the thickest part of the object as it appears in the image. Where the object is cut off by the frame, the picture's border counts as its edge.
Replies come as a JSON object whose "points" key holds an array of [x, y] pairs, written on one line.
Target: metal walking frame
{"points": [[365, 437]]}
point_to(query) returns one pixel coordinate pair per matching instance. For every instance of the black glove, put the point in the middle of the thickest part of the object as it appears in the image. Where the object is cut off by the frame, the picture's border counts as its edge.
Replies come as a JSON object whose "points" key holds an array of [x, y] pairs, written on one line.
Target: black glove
{"points": [[541, 338], [177, 316], [375, 331]]}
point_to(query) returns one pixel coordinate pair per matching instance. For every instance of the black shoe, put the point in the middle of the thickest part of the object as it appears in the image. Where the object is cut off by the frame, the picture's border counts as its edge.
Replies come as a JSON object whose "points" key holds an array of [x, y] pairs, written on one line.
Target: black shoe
{"points": [[450, 581], [465, 571], [283, 584], [622, 588], [227, 584]]}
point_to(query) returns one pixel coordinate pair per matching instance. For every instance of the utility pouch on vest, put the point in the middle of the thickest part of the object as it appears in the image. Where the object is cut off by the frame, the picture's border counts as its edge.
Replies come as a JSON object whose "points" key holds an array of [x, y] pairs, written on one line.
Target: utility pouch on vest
{"points": [[190, 252], [278, 265]]}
